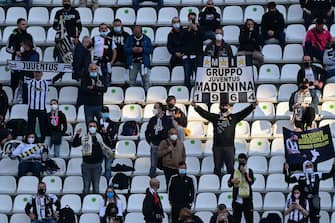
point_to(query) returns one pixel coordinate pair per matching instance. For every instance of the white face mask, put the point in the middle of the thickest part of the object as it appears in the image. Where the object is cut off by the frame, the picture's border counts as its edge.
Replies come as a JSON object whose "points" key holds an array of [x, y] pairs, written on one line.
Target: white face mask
{"points": [[218, 36], [31, 140], [92, 130], [54, 106], [309, 170], [176, 25], [174, 137], [155, 111]]}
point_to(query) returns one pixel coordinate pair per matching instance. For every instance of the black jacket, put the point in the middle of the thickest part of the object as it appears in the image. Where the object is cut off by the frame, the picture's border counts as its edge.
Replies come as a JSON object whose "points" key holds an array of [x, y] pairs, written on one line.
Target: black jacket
{"points": [[215, 215], [319, 75], [62, 123], [150, 209], [97, 154], [273, 21], [180, 117], [93, 96], [109, 136], [15, 39], [181, 190], [249, 40], [174, 45], [214, 51], [81, 61], [292, 100], [119, 40], [150, 135], [317, 4], [236, 189], [3, 103], [72, 21], [209, 19], [191, 42], [49, 201], [224, 127]]}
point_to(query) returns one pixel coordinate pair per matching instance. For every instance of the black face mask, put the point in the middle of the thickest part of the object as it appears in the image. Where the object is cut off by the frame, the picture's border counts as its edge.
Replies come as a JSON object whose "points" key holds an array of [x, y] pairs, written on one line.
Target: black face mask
{"points": [[332, 46], [41, 191], [170, 106], [307, 64], [223, 110], [66, 6], [304, 87]]}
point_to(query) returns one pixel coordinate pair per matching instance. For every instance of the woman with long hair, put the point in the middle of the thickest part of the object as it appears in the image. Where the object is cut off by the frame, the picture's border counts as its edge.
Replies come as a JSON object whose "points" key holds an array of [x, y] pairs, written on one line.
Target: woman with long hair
{"points": [[111, 207], [297, 206]]}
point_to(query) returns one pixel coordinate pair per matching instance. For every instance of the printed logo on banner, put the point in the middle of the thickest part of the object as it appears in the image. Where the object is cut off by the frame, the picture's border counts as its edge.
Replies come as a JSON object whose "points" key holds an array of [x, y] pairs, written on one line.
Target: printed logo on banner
{"points": [[225, 79], [315, 145]]}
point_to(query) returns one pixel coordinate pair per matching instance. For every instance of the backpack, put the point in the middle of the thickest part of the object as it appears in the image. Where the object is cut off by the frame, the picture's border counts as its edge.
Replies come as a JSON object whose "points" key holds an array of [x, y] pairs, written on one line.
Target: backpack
{"points": [[120, 181], [66, 215], [129, 128], [17, 126]]}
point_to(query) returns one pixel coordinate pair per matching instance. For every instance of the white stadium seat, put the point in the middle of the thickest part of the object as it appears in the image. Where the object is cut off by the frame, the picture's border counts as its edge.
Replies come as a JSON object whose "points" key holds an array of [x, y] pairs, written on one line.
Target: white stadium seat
{"points": [[103, 15], [13, 13], [4, 56], [269, 73], [27, 185], [289, 73], [184, 12], [134, 217], [276, 182], [73, 184], [89, 217], [113, 95], [272, 53], [274, 201], [266, 93], [232, 15], [38, 16], [259, 147], [254, 12], [165, 15], [231, 34], [8, 30], [20, 202], [156, 94], [53, 184], [193, 147], [131, 112], [4, 219], [258, 164], [22, 218], [205, 202], [329, 92], [264, 110], [7, 185], [261, 129], [160, 74], [181, 93], [134, 95], [8, 167], [209, 183], [91, 203], [276, 164], [146, 16], [85, 15], [6, 204], [293, 53], [125, 149], [294, 14], [177, 75], [68, 95], [285, 91], [161, 56], [135, 202], [127, 15], [74, 167], [295, 33]]}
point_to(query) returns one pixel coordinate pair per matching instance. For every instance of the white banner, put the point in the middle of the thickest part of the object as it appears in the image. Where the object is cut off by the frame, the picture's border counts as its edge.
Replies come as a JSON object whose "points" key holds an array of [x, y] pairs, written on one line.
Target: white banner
{"points": [[39, 66], [222, 79]]}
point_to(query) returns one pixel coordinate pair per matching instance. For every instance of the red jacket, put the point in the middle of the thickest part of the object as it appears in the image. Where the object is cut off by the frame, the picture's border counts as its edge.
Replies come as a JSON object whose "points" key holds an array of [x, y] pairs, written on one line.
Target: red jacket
{"points": [[318, 39]]}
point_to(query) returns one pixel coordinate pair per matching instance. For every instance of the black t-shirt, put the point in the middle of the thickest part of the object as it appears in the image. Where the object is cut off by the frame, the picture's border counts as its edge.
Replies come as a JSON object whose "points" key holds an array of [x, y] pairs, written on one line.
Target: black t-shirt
{"points": [[4, 132], [97, 154]]}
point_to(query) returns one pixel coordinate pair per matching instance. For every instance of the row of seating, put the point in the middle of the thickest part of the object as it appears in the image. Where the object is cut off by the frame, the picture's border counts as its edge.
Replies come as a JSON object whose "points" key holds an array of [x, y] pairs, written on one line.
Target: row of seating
{"points": [[147, 15]]}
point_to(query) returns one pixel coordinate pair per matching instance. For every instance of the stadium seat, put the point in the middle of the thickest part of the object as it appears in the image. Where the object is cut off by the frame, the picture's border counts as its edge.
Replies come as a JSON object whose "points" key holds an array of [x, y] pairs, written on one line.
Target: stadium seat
{"points": [[184, 12], [257, 201], [5, 76], [138, 184], [156, 94], [193, 147], [161, 36], [68, 95], [192, 115], [261, 129], [74, 167], [327, 185], [89, 217], [27, 185], [254, 12], [276, 182], [258, 164], [324, 217], [86, 15], [274, 201], [237, 107], [205, 202], [38, 16], [181, 93], [131, 112], [127, 15], [197, 130], [103, 15], [266, 93], [224, 183], [191, 2], [4, 219], [91, 203], [285, 91], [119, 75], [113, 95], [259, 183], [125, 149], [165, 202], [53, 184], [69, 111], [232, 15], [4, 56], [231, 34], [193, 165], [226, 198], [147, 114], [283, 111], [2, 15], [7, 185], [241, 146], [6, 204], [329, 92], [143, 149], [107, 2], [134, 217], [160, 75], [161, 56], [266, 213], [289, 73], [295, 33], [209, 183], [177, 75], [146, 16], [7, 31], [264, 110], [295, 14], [272, 53], [207, 165], [20, 202], [235, 2], [149, 32], [259, 147], [8, 167], [205, 216], [278, 127], [293, 53], [277, 147], [142, 166], [134, 95], [165, 16], [13, 13], [325, 166], [73, 185], [9, 92], [326, 201], [53, 13], [269, 73], [135, 202], [276, 164], [22, 218], [242, 130]]}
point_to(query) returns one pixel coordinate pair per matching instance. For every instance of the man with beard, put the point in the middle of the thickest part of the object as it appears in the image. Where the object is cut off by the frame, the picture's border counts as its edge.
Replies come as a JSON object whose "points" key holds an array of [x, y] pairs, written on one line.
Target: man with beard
{"points": [[224, 134]]}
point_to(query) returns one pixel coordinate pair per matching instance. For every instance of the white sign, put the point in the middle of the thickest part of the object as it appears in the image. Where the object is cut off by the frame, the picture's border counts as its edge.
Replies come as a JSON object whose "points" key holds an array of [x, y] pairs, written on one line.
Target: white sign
{"points": [[39, 66]]}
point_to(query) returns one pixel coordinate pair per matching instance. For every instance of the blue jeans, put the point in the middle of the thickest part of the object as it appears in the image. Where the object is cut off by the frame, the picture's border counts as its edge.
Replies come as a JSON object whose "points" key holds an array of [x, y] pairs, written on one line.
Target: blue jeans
{"points": [[91, 174], [190, 69], [92, 111], [153, 160], [56, 147], [136, 68], [316, 93], [312, 51], [108, 168], [44, 221], [136, 3], [26, 166]]}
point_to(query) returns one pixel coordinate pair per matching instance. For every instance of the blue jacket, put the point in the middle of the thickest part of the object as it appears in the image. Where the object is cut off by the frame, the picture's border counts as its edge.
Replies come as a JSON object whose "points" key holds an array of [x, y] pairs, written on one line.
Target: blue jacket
{"points": [[147, 50]]}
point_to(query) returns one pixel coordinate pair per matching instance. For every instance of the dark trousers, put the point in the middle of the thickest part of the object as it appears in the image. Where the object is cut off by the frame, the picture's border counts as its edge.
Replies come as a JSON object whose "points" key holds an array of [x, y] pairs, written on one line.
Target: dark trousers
{"points": [[315, 13], [190, 69], [314, 212], [246, 208], [92, 111], [313, 51], [26, 166], [223, 155], [41, 115], [306, 120], [91, 174], [136, 3], [168, 172], [175, 209], [280, 36]]}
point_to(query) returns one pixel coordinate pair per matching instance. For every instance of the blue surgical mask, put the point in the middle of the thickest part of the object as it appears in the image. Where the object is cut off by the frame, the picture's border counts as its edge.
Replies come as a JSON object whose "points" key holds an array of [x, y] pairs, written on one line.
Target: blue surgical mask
{"points": [[105, 115], [117, 29], [176, 25], [103, 34], [110, 194], [93, 74], [182, 171]]}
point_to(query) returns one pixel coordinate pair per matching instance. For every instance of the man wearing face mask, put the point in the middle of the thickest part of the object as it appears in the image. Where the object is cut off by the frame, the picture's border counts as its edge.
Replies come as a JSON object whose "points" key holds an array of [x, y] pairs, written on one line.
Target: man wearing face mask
{"points": [[119, 37], [209, 20], [108, 130], [172, 152], [329, 58], [104, 51], [30, 155], [94, 150], [82, 59], [43, 207], [242, 180], [71, 18], [222, 215], [317, 9], [317, 40], [156, 132], [316, 77], [181, 192], [302, 105], [152, 208], [93, 88], [309, 181], [218, 48], [224, 125], [178, 117], [57, 126], [174, 43]]}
